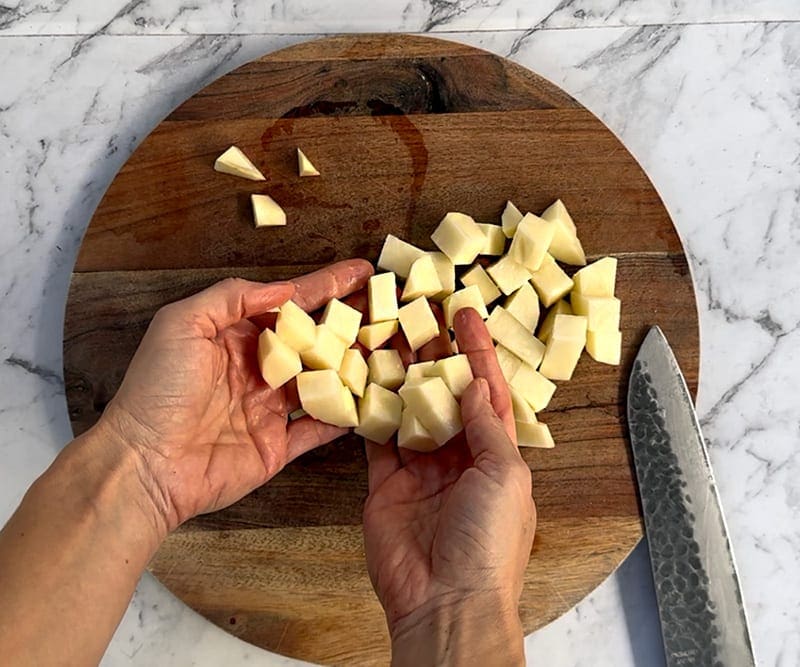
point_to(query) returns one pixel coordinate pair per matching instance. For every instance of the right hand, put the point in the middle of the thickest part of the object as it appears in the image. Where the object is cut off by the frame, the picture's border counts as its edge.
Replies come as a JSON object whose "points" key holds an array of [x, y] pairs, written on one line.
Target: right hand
{"points": [[448, 534]]}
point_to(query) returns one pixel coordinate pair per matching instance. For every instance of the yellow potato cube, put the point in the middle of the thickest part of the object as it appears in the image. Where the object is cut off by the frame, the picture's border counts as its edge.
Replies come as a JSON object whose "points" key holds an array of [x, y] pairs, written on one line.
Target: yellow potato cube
{"points": [[382, 296], [564, 347], [413, 435], [560, 308], [550, 281], [386, 368], [478, 277], [423, 280], [435, 407], [508, 275], [397, 256], [327, 352], [353, 372], [459, 237], [523, 412], [605, 346], [325, 398], [534, 387], [508, 361], [279, 363], [234, 162], [419, 371], [267, 212], [603, 312], [446, 271], [373, 336], [524, 306], [379, 412], [511, 219], [304, 166], [295, 327], [597, 279], [506, 330], [534, 435], [343, 320], [565, 246], [533, 238], [495, 239], [469, 297], [418, 323], [456, 373]]}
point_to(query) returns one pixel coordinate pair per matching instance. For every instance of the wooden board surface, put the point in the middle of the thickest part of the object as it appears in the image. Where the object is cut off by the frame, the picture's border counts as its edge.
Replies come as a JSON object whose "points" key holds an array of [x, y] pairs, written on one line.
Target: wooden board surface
{"points": [[403, 129]]}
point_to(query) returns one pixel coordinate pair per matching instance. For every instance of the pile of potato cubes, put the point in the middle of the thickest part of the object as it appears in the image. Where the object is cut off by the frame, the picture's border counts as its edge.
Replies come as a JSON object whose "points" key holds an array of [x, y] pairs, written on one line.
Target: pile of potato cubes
{"points": [[420, 404]]}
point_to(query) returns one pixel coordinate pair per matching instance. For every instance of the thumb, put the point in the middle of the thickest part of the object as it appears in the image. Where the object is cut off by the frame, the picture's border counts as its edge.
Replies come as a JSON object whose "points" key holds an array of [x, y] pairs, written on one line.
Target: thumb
{"points": [[484, 430]]}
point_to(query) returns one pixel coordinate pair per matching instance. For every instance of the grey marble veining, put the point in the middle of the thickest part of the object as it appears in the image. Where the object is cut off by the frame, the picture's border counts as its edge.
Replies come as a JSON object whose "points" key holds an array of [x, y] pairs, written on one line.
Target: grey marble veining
{"points": [[704, 94]]}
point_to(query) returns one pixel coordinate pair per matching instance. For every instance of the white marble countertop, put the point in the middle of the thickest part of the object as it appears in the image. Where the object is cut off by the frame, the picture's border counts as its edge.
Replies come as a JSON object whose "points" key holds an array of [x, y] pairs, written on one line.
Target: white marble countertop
{"points": [[705, 93]]}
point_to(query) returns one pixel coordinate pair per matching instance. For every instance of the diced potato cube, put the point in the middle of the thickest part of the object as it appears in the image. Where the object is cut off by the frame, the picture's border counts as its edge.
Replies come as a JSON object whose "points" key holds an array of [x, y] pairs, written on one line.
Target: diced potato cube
{"points": [[446, 271], [234, 162], [533, 387], [524, 305], [459, 237], [419, 371], [343, 320], [279, 363], [354, 371], [550, 281], [523, 412], [508, 275], [533, 238], [382, 296], [564, 347], [304, 166], [506, 330], [478, 277], [379, 412], [324, 397], [455, 371], [605, 346], [413, 435], [386, 368], [423, 280], [327, 352], [418, 323], [508, 361], [565, 246], [603, 312], [534, 435], [469, 297], [267, 212], [295, 327], [511, 219], [397, 256], [435, 407], [560, 308], [597, 279], [495, 239], [373, 336]]}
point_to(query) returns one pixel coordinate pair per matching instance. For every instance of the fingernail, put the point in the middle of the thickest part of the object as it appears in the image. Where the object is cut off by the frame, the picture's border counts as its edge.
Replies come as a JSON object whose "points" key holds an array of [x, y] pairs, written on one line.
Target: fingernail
{"points": [[485, 391]]}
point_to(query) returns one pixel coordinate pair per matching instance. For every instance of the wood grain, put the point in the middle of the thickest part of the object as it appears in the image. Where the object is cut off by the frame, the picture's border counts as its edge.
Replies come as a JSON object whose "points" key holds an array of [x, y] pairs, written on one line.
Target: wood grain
{"points": [[403, 130]]}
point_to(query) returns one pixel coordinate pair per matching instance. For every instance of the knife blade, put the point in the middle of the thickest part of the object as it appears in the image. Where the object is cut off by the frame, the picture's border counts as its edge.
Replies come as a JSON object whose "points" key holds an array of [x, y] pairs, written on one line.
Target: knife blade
{"points": [[703, 620]]}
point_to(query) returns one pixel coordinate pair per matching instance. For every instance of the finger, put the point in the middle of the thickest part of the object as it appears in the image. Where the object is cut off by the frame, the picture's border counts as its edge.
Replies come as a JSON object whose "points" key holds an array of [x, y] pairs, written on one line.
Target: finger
{"points": [[483, 428], [292, 397], [474, 340], [336, 281], [440, 347], [383, 461], [306, 434], [227, 303], [265, 321]]}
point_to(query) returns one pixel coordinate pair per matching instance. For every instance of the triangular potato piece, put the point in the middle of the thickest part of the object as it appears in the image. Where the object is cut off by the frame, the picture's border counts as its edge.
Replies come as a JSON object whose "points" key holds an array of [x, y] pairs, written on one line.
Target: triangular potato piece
{"points": [[304, 165], [234, 162]]}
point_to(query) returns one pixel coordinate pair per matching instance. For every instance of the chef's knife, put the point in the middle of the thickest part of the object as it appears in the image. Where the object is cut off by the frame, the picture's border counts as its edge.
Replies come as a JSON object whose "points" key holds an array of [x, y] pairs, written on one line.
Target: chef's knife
{"points": [[703, 620]]}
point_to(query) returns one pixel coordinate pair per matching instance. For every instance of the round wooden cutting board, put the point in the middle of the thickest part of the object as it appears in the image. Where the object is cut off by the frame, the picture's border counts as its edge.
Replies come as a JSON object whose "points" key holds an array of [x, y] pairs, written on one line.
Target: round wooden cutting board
{"points": [[403, 129]]}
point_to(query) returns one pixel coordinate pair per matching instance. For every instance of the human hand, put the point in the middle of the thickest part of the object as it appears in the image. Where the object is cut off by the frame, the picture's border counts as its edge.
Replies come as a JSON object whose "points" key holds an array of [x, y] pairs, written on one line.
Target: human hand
{"points": [[206, 427], [448, 534]]}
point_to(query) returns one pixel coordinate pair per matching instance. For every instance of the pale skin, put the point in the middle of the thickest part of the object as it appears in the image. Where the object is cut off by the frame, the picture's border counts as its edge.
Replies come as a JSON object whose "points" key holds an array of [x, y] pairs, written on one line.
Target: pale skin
{"points": [[194, 428]]}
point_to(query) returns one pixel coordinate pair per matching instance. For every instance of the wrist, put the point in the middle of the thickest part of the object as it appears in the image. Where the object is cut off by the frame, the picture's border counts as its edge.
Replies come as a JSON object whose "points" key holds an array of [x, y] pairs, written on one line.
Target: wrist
{"points": [[481, 628]]}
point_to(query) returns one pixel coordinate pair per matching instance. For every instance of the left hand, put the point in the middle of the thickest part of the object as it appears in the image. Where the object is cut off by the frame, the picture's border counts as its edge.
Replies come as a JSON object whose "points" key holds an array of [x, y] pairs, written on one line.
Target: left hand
{"points": [[205, 426]]}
